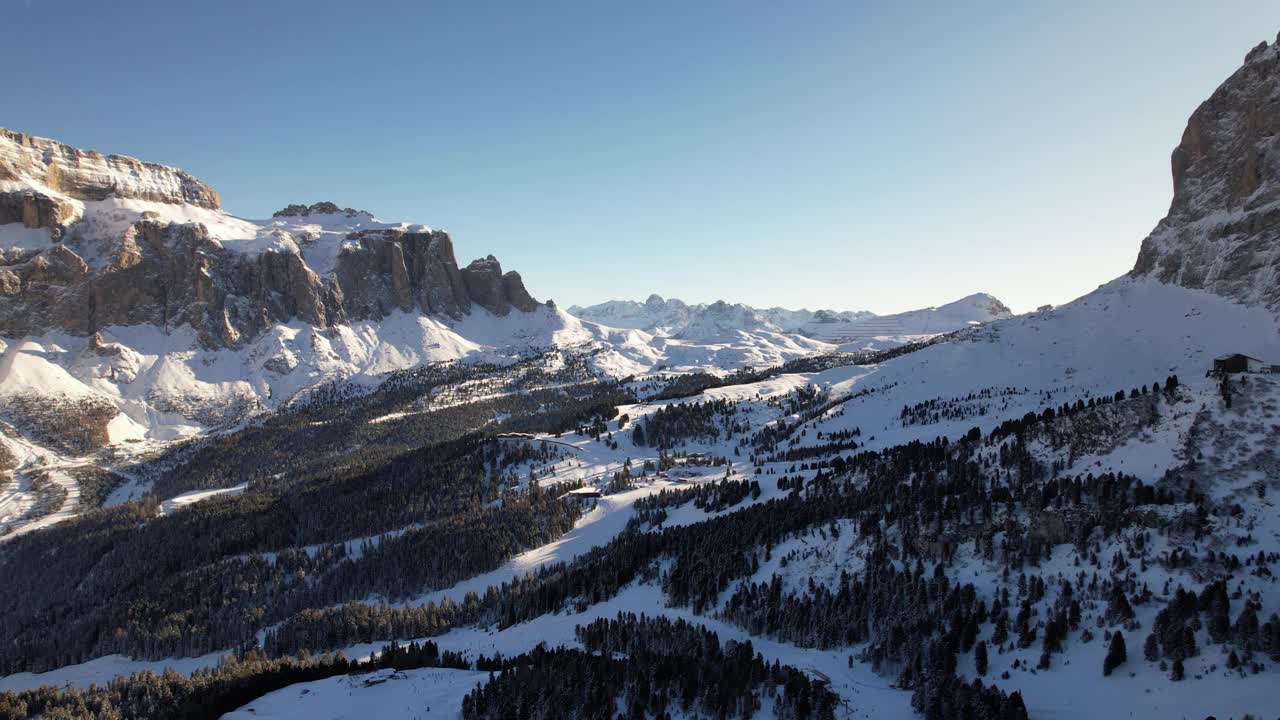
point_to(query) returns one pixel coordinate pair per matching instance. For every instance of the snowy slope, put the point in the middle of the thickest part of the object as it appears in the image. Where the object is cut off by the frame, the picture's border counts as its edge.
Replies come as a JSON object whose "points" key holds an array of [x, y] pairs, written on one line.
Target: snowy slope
{"points": [[891, 330], [1127, 333], [426, 692]]}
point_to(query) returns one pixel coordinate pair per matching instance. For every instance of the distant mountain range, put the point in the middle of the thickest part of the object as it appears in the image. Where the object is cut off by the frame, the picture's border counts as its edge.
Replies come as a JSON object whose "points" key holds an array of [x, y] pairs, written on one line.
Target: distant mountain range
{"points": [[860, 328], [674, 317]]}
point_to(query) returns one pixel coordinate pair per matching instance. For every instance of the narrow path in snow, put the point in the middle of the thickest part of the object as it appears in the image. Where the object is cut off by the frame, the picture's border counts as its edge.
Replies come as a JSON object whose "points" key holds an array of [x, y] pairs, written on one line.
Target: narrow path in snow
{"points": [[15, 501], [70, 502]]}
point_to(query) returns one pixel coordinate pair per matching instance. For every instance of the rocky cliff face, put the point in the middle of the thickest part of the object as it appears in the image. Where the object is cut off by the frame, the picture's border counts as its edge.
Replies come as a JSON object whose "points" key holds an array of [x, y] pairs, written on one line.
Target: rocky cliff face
{"points": [[130, 243], [1222, 233], [42, 167], [495, 290], [408, 271]]}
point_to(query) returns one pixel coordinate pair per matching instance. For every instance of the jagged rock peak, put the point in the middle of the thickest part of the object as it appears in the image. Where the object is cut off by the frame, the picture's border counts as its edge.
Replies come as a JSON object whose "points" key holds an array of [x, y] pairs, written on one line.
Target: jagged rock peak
{"points": [[320, 208], [1222, 233], [494, 290], [27, 161]]}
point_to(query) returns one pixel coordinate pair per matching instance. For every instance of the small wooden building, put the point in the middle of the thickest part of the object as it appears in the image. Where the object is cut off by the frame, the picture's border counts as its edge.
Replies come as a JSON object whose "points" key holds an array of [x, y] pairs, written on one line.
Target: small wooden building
{"points": [[1237, 363], [584, 493]]}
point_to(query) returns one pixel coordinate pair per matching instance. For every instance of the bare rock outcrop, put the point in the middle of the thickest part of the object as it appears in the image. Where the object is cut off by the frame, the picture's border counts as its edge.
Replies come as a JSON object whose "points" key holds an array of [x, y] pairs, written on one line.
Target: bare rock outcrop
{"points": [[1222, 233], [494, 290], [392, 269], [485, 286], [513, 287], [89, 175], [34, 209], [10, 283], [165, 274], [323, 207], [443, 286]]}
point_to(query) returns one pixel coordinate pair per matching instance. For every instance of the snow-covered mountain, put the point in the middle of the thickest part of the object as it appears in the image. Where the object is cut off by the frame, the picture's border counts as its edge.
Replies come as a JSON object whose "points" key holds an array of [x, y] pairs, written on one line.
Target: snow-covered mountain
{"points": [[891, 330], [125, 285], [132, 306], [656, 314], [88, 242], [672, 316], [675, 318], [812, 322], [855, 330]]}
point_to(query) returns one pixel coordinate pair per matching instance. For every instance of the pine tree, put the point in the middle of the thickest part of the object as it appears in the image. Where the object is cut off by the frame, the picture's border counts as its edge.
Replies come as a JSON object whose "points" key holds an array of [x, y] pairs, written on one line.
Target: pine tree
{"points": [[1116, 654], [980, 657], [1014, 708], [1118, 607], [1151, 648]]}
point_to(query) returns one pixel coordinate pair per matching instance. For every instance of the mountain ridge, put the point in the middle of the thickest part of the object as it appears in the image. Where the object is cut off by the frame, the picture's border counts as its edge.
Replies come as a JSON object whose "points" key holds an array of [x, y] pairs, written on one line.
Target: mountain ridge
{"points": [[89, 241], [669, 316], [675, 318]]}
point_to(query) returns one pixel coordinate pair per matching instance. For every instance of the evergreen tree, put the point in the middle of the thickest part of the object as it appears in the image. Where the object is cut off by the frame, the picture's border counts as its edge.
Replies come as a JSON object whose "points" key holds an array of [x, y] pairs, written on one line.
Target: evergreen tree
{"points": [[1151, 648], [1116, 654]]}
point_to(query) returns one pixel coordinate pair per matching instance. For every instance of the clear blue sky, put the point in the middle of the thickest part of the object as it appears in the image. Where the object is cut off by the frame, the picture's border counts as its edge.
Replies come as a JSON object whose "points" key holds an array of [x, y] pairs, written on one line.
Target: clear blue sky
{"points": [[836, 154]]}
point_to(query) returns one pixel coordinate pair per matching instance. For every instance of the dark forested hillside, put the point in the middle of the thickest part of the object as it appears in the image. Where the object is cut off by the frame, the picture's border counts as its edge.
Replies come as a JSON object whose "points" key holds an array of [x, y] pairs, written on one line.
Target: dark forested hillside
{"points": [[414, 504]]}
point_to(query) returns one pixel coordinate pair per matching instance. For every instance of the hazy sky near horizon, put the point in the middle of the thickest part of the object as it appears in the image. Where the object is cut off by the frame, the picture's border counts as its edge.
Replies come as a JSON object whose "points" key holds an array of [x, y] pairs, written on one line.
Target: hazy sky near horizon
{"points": [[819, 154]]}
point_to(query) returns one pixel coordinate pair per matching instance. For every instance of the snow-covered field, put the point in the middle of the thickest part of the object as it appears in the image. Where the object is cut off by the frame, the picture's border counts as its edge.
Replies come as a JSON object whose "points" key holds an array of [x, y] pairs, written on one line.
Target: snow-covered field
{"points": [[410, 694], [187, 499], [100, 671]]}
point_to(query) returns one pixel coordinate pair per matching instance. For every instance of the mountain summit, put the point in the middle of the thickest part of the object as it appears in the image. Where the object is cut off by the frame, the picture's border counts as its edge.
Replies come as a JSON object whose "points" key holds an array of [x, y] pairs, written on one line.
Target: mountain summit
{"points": [[1222, 233]]}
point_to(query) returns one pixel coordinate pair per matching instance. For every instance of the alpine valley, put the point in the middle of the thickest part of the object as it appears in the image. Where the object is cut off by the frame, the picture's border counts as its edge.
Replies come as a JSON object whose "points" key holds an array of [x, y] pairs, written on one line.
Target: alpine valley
{"points": [[311, 466]]}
